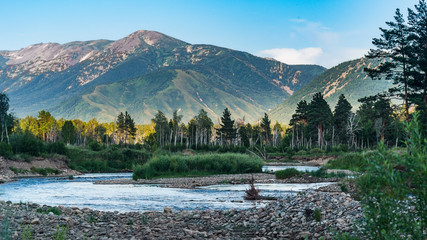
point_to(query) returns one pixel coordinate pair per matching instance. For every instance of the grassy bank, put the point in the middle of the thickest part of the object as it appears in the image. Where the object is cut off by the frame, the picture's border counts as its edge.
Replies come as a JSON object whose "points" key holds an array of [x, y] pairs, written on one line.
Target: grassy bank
{"points": [[204, 164], [110, 159]]}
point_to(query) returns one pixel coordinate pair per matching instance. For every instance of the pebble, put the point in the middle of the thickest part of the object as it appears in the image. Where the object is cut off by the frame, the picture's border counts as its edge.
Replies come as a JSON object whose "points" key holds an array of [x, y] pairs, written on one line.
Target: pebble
{"points": [[286, 218]]}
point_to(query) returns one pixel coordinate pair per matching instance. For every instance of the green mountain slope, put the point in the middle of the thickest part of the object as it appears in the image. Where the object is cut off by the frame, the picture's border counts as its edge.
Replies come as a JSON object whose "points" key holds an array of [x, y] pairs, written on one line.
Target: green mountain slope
{"points": [[84, 79], [347, 78], [168, 90]]}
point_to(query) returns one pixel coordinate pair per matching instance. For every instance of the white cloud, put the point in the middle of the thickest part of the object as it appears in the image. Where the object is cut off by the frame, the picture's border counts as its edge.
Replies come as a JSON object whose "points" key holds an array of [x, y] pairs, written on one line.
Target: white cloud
{"points": [[314, 55], [294, 56], [324, 46]]}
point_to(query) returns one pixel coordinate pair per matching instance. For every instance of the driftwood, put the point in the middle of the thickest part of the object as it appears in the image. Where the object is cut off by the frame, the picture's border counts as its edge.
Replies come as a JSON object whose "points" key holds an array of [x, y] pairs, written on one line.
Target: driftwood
{"points": [[253, 193]]}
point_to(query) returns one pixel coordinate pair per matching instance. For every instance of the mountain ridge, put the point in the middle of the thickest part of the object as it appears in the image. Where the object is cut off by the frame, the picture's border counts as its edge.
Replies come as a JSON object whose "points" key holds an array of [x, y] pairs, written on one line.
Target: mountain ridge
{"points": [[45, 80]]}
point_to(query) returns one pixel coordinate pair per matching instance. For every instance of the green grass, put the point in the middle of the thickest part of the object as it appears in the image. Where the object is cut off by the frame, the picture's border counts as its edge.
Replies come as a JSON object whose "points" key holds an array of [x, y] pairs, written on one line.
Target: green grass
{"points": [[197, 165], [286, 173], [45, 171], [112, 159], [47, 210], [351, 161], [321, 173]]}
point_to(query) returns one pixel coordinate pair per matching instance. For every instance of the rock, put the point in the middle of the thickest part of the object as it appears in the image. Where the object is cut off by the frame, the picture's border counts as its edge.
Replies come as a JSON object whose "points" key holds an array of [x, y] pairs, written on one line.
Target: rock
{"points": [[35, 221]]}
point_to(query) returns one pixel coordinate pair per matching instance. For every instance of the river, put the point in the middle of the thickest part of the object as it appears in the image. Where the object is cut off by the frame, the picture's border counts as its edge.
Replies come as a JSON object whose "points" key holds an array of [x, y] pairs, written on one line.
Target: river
{"points": [[81, 192]]}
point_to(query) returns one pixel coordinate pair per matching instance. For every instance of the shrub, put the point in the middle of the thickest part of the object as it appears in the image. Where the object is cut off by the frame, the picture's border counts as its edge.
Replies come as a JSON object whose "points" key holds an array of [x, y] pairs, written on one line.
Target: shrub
{"points": [[393, 190], [171, 165], [26, 143], [350, 161], [316, 151], [57, 147], [5, 150], [286, 173], [95, 146]]}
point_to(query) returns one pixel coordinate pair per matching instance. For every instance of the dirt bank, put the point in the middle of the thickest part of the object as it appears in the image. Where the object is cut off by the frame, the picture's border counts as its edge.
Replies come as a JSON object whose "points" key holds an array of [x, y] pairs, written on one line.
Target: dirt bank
{"points": [[35, 167]]}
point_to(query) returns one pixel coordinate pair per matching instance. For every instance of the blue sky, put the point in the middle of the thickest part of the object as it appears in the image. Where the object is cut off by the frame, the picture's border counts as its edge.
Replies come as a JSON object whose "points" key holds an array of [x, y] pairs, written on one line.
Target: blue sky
{"points": [[324, 32]]}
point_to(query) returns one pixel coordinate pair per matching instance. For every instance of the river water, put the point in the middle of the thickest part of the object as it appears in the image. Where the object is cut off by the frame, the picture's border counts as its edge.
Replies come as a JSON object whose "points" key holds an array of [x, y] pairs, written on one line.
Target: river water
{"points": [[81, 192]]}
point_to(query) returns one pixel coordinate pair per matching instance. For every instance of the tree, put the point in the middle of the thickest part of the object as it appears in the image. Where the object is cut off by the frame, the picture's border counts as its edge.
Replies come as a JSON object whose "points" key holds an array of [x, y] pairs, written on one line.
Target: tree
{"points": [[227, 132], [68, 132], [394, 44], [417, 20], [298, 123], [43, 119], [161, 128], [266, 128], [341, 115], [300, 115], [121, 126], [4, 107], [176, 120], [403, 46], [319, 117], [130, 128]]}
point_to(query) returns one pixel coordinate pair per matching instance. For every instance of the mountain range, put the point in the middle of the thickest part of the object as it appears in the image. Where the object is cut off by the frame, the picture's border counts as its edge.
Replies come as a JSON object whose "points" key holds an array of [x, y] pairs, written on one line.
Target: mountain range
{"points": [[142, 73], [348, 78], [148, 71]]}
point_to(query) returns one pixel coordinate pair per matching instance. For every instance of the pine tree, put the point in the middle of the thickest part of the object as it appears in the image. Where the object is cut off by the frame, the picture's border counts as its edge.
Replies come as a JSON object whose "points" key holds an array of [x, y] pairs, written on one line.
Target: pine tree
{"points": [[130, 128], [319, 117], [68, 132], [341, 114], [300, 115], [227, 130], [265, 125], [395, 45], [121, 127]]}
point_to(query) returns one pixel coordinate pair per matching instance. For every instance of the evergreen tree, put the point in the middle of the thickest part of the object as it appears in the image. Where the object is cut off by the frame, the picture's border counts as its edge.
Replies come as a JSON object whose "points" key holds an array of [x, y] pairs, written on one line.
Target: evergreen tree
{"points": [[405, 44], [417, 20], [266, 128], [300, 115], [298, 123], [68, 132], [130, 128], [227, 132], [319, 117], [121, 126], [395, 45], [244, 136], [341, 114]]}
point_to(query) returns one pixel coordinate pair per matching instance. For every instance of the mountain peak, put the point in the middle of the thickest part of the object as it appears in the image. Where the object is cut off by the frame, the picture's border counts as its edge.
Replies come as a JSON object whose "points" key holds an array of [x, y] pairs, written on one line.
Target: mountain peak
{"points": [[144, 39]]}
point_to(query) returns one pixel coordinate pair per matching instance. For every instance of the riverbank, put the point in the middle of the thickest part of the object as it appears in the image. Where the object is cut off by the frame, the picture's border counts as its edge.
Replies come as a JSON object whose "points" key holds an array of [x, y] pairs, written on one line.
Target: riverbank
{"points": [[193, 182], [292, 217], [34, 167]]}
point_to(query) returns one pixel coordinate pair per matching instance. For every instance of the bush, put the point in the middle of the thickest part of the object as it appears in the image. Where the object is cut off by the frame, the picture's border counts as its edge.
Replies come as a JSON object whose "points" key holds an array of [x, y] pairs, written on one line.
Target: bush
{"points": [[172, 165], [112, 159], [95, 146], [286, 173], [316, 151], [57, 147], [27, 143], [393, 190], [5, 150], [350, 161]]}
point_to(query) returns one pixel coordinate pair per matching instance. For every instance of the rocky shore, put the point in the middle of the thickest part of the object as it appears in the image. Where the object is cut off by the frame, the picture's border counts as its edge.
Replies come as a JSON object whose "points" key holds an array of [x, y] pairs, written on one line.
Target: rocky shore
{"points": [[11, 169], [193, 182], [309, 215]]}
